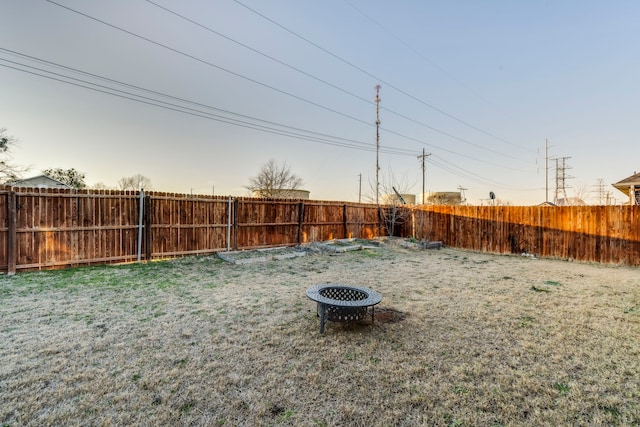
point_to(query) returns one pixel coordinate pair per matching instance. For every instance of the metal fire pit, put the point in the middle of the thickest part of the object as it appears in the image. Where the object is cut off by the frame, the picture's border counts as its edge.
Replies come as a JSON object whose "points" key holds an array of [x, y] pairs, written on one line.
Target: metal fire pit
{"points": [[340, 303]]}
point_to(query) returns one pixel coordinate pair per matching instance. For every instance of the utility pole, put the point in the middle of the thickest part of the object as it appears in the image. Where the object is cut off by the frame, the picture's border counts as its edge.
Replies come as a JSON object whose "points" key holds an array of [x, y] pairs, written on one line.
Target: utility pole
{"points": [[423, 157], [359, 188], [377, 143], [546, 170]]}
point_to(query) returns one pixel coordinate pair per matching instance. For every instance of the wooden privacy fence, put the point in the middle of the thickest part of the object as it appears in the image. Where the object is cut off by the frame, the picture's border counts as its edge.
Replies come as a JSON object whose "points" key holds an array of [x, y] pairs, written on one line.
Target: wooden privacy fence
{"points": [[47, 228], [605, 234], [53, 228]]}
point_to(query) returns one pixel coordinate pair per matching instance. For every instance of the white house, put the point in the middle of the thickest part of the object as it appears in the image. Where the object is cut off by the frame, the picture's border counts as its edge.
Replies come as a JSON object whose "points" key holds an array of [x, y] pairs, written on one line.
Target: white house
{"points": [[40, 181]]}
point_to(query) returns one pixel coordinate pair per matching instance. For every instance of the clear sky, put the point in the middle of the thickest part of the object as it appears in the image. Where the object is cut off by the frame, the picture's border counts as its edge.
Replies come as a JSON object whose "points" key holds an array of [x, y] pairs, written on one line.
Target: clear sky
{"points": [[197, 95]]}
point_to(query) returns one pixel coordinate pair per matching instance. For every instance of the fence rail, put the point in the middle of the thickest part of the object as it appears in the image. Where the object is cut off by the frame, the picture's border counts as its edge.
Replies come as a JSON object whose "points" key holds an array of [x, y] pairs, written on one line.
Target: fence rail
{"points": [[53, 228]]}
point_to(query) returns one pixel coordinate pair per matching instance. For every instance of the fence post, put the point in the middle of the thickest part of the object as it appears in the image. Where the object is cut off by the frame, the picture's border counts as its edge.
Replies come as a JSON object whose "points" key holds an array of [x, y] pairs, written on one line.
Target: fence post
{"points": [[140, 222], [236, 204], [147, 228], [229, 223], [300, 221], [345, 228], [12, 238]]}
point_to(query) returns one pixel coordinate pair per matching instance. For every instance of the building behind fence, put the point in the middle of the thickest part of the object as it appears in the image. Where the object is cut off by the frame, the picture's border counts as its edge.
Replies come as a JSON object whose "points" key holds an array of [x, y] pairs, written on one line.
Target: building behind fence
{"points": [[52, 228]]}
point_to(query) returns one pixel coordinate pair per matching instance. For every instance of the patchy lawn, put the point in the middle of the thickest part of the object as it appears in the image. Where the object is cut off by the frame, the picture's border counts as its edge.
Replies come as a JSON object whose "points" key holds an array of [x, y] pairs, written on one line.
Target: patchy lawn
{"points": [[461, 338]]}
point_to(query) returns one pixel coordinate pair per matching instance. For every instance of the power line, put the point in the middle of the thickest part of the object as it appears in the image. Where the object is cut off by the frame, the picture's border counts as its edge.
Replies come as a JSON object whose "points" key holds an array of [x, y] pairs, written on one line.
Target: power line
{"points": [[148, 100], [362, 70], [106, 79], [413, 50], [202, 61], [198, 113], [245, 77], [325, 82], [209, 116], [358, 144]]}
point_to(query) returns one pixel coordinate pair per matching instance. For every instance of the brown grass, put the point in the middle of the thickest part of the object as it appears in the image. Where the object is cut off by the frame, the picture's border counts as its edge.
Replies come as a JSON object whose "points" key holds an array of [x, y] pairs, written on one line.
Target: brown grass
{"points": [[460, 339]]}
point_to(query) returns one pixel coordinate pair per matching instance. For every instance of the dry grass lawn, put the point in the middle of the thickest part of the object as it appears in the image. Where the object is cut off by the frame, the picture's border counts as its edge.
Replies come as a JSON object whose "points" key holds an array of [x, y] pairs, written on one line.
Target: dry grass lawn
{"points": [[462, 339]]}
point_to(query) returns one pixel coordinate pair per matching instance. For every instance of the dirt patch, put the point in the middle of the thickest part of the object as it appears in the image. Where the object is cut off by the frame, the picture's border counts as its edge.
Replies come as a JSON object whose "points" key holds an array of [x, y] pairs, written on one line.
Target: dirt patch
{"points": [[388, 315]]}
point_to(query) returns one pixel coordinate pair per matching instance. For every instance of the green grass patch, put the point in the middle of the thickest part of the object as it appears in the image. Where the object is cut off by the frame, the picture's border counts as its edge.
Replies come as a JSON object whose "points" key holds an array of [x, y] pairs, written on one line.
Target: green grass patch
{"points": [[562, 388], [551, 283]]}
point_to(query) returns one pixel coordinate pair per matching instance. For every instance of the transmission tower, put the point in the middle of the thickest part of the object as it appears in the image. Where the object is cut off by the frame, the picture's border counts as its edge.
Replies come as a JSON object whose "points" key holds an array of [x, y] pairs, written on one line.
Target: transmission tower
{"points": [[561, 179], [600, 191], [463, 198]]}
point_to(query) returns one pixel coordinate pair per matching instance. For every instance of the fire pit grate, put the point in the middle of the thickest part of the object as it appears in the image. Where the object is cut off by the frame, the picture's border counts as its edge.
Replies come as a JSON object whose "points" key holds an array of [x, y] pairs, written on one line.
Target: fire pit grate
{"points": [[340, 303]]}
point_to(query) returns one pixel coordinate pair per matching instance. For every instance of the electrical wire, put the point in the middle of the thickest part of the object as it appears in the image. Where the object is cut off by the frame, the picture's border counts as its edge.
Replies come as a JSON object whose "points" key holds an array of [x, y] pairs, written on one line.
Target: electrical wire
{"points": [[311, 136], [208, 63], [238, 74], [185, 110], [369, 74], [325, 82], [298, 134]]}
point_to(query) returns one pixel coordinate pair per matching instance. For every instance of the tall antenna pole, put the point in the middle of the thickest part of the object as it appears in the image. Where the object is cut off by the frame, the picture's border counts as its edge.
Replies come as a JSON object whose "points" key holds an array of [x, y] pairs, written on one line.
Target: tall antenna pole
{"points": [[424, 167], [377, 142]]}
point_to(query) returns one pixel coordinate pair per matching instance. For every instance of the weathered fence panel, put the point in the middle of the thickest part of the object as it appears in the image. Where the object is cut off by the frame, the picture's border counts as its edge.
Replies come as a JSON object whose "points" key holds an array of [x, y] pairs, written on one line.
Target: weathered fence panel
{"points": [[184, 224], [266, 222], [362, 221], [323, 221], [42, 228], [606, 234], [54, 229]]}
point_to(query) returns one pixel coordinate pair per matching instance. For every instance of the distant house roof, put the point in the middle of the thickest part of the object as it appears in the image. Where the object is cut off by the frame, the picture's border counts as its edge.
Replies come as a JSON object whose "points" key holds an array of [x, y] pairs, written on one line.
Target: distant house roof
{"points": [[282, 193], [40, 181], [570, 201], [626, 184]]}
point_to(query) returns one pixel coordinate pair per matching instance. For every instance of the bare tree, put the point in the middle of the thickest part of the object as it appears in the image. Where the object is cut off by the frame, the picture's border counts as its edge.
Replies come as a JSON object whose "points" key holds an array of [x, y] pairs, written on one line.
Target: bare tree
{"points": [[8, 171], [100, 186], [393, 207], [71, 177], [275, 181], [580, 193], [134, 183]]}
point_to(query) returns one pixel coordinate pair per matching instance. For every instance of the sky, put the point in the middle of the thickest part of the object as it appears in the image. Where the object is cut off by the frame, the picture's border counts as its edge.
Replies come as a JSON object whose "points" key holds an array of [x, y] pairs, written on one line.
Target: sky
{"points": [[197, 95]]}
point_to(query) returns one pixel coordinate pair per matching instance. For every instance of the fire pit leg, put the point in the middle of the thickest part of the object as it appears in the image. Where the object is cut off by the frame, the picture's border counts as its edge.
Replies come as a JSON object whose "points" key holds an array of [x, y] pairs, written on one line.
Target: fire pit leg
{"points": [[323, 317]]}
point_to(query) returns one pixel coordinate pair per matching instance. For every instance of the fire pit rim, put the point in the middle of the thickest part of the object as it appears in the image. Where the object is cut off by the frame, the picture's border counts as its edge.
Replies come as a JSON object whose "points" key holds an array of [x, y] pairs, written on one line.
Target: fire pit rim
{"points": [[372, 298]]}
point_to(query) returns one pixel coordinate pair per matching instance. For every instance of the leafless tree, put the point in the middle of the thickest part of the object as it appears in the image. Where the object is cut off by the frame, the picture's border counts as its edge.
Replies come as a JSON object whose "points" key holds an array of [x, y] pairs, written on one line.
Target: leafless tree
{"points": [[134, 183], [100, 186], [580, 193], [393, 209], [8, 171], [275, 181]]}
